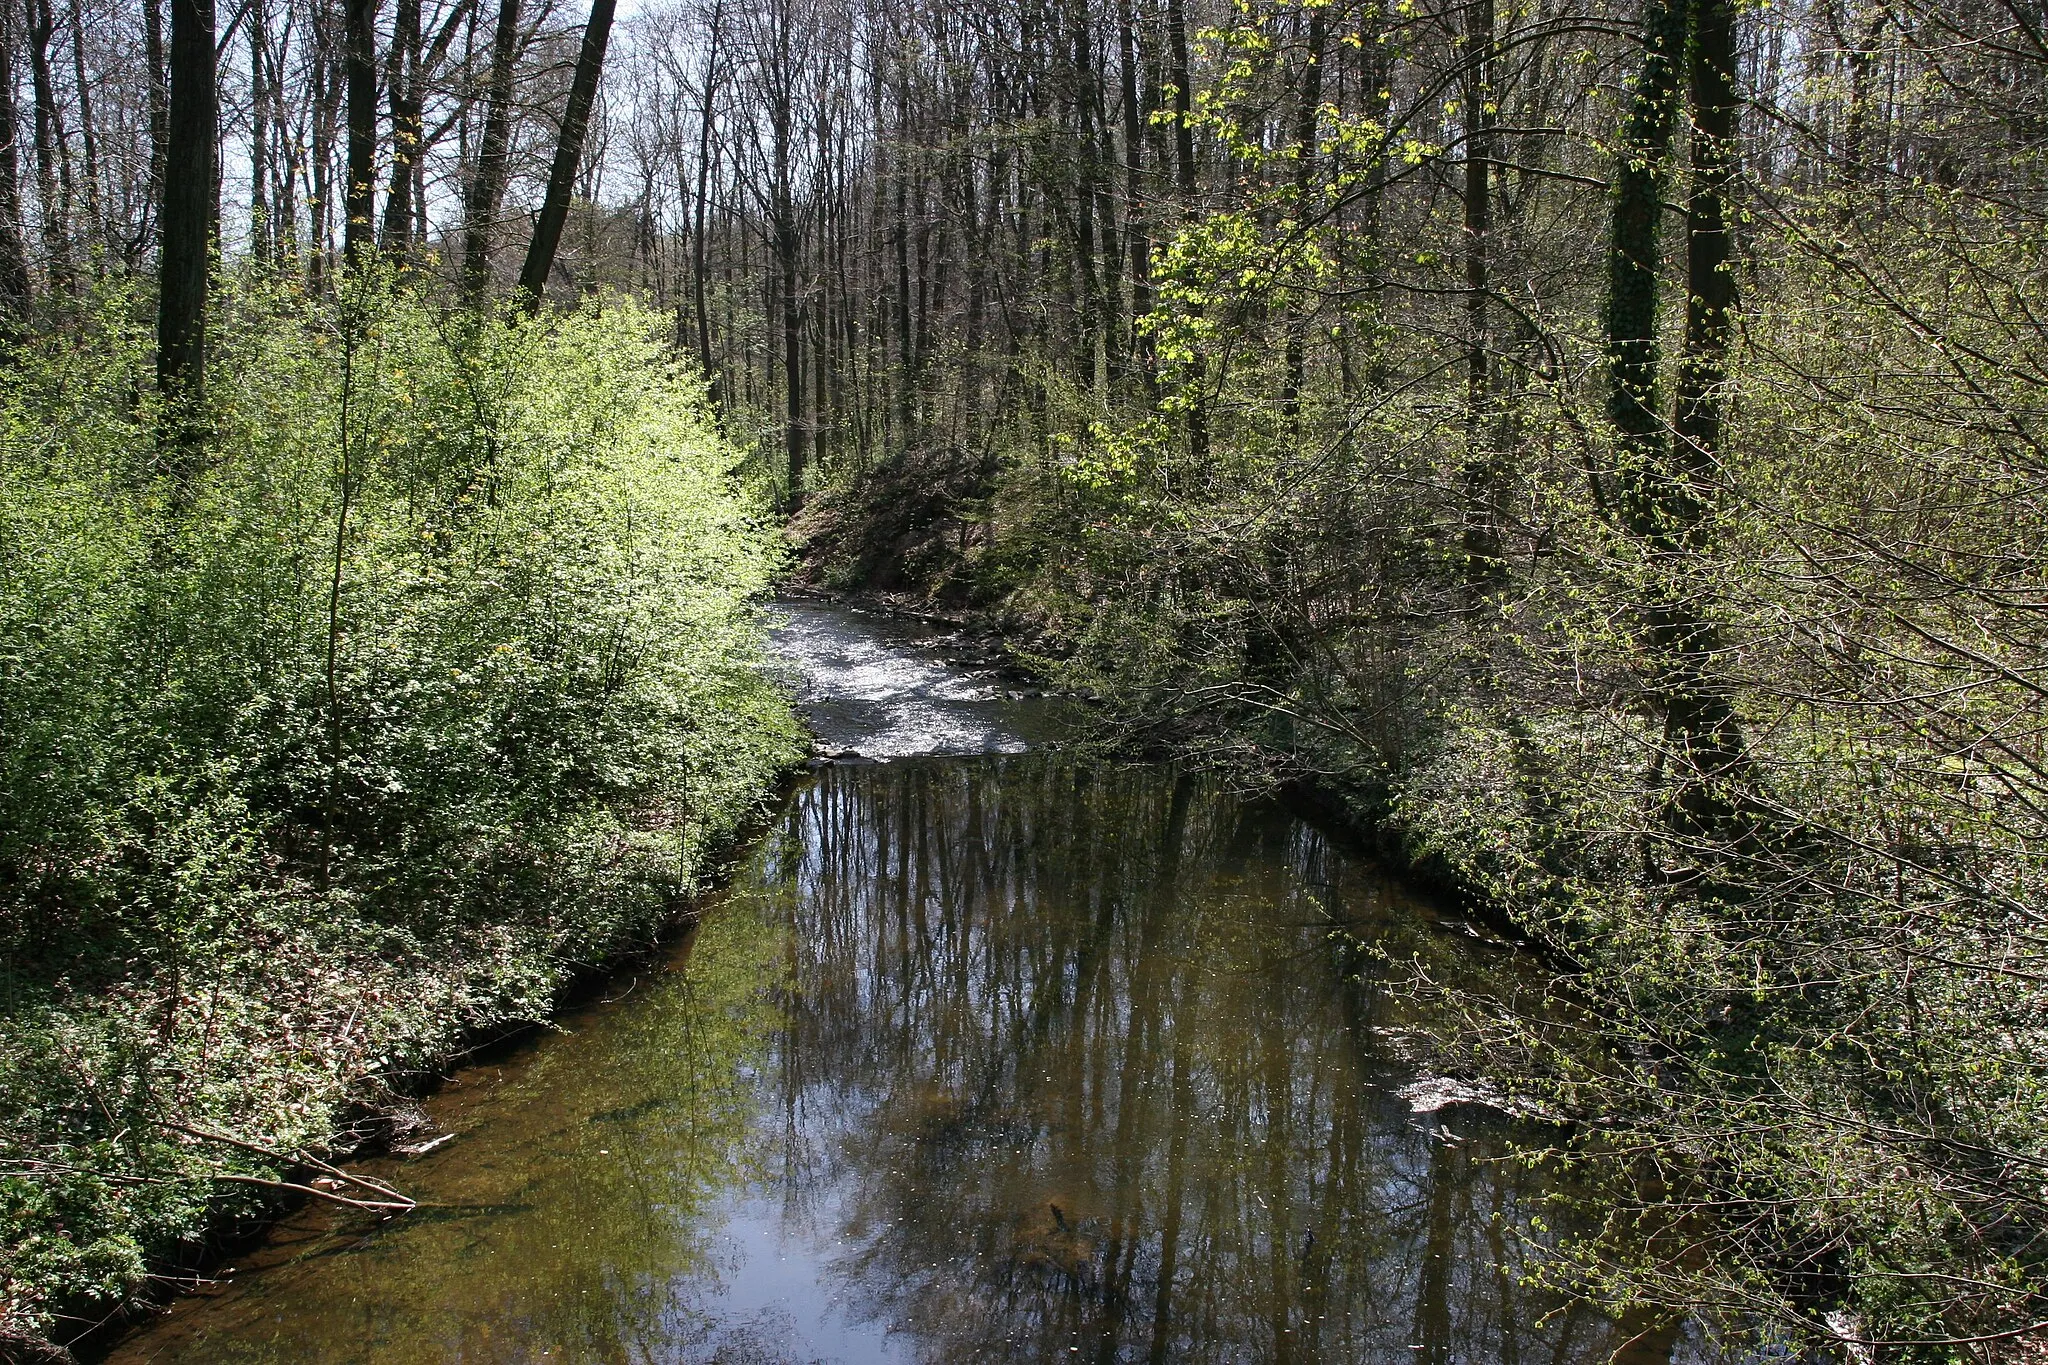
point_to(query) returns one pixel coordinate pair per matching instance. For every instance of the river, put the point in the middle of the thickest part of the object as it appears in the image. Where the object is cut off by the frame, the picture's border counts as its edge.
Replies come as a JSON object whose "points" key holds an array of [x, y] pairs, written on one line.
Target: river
{"points": [[989, 1052]]}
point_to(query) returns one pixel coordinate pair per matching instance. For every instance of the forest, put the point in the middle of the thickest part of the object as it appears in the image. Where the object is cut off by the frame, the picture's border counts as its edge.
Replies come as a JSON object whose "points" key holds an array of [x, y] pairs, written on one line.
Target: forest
{"points": [[1596, 448]]}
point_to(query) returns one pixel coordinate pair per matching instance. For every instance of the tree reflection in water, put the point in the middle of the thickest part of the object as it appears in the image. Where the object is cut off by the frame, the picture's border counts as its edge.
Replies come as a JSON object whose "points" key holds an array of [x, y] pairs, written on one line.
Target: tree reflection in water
{"points": [[1072, 1058], [989, 1059]]}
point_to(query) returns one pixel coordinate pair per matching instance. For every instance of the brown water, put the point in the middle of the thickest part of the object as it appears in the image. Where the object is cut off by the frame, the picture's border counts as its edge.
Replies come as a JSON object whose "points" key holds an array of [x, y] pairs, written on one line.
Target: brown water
{"points": [[992, 1057]]}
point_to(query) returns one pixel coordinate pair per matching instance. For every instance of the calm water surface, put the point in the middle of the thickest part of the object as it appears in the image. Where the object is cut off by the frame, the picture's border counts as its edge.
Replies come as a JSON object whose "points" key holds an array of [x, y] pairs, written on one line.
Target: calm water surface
{"points": [[987, 1055]]}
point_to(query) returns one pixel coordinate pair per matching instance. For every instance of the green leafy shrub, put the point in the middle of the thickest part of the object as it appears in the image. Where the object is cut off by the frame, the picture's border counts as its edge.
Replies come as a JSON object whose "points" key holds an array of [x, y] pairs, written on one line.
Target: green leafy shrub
{"points": [[435, 681]]}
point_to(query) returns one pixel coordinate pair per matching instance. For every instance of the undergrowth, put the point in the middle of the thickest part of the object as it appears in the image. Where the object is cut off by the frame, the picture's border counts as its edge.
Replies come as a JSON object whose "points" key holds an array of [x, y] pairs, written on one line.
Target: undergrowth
{"points": [[432, 680]]}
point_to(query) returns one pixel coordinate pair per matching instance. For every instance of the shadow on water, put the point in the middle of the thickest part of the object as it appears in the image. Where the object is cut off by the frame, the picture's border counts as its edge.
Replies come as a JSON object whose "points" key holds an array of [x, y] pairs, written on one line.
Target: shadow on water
{"points": [[990, 1058]]}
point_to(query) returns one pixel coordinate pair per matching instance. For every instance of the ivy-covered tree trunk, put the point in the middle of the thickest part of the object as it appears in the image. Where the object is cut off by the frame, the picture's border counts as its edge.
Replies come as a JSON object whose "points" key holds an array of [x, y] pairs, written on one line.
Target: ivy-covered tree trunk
{"points": [[1709, 277], [1641, 177], [1662, 487], [1704, 728]]}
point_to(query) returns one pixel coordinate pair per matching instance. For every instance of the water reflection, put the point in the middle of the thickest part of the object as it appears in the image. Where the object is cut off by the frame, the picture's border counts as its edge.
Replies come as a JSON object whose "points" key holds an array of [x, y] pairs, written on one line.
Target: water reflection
{"points": [[1097, 1087], [994, 1059]]}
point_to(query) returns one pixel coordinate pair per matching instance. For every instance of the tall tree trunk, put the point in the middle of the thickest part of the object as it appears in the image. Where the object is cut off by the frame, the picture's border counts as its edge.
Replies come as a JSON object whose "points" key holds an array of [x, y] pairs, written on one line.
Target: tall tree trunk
{"points": [[328, 84], [1862, 70], [1107, 201], [554, 211], [788, 245], [1270, 651], [281, 153], [1662, 494], [1306, 119], [1137, 226], [487, 183], [49, 150], [700, 204], [286, 162], [159, 114], [980, 228], [1183, 104], [1184, 167], [95, 228], [420, 224], [1484, 463], [1703, 719], [906, 337], [189, 213], [1709, 272], [402, 80], [260, 227], [16, 292], [1641, 174], [359, 61], [1081, 191], [1375, 78]]}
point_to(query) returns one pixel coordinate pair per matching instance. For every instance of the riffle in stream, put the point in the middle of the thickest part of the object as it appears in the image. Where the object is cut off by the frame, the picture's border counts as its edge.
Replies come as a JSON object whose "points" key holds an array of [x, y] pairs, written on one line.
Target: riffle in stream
{"points": [[988, 1053]]}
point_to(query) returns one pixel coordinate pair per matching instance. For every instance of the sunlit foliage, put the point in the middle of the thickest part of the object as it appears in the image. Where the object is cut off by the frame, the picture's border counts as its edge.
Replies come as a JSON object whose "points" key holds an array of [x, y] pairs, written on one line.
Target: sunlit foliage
{"points": [[438, 683]]}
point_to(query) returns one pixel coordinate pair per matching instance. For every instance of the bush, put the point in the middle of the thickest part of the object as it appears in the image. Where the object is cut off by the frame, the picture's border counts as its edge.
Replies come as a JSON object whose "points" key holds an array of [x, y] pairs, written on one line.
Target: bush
{"points": [[436, 680]]}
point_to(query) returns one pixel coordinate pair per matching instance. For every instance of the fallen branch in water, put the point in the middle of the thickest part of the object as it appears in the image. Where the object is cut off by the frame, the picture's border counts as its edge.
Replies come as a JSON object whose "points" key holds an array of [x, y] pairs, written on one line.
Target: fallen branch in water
{"points": [[419, 1149], [403, 1205], [388, 1198]]}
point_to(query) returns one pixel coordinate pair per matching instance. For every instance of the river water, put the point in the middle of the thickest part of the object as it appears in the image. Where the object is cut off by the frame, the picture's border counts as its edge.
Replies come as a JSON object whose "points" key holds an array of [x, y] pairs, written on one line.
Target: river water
{"points": [[988, 1053]]}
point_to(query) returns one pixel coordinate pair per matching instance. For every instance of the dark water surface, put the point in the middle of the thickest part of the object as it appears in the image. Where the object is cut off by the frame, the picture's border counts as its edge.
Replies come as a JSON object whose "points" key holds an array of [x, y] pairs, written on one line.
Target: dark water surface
{"points": [[993, 1056]]}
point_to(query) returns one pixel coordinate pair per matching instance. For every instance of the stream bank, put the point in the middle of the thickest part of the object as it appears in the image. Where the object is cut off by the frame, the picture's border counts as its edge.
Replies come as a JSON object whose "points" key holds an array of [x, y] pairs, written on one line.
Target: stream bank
{"points": [[990, 1051]]}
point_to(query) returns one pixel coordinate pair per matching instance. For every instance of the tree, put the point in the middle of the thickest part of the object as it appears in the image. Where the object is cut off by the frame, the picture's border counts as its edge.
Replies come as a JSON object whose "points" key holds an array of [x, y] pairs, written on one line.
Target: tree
{"points": [[190, 211], [15, 289], [777, 49], [486, 185], [1664, 490], [402, 76], [359, 62], [554, 210]]}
